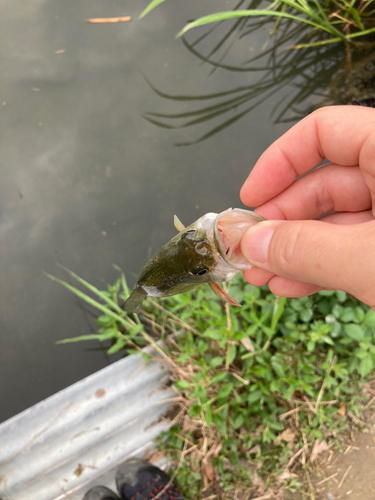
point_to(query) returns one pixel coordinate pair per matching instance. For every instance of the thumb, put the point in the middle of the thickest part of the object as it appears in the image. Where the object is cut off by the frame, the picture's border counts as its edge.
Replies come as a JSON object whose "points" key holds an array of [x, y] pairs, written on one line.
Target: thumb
{"points": [[328, 255]]}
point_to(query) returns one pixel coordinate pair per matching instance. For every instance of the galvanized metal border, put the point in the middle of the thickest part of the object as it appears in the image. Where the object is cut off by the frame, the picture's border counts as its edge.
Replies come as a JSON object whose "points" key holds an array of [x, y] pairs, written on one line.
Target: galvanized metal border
{"points": [[63, 445]]}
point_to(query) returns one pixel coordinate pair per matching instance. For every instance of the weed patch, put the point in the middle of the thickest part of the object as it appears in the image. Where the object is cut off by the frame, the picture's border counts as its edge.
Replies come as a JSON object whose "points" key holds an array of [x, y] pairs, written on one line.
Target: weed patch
{"points": [[261, 391]]}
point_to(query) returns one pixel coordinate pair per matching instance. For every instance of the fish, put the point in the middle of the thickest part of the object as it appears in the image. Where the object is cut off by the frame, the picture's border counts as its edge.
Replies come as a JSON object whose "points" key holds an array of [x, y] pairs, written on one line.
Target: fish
{"points": [[206, 251]]}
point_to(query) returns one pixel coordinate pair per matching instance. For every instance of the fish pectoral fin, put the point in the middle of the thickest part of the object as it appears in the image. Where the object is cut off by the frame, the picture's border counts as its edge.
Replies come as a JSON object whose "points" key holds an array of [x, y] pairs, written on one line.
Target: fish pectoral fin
{"points": [[178, 224], [133, 303], [222, 294]]}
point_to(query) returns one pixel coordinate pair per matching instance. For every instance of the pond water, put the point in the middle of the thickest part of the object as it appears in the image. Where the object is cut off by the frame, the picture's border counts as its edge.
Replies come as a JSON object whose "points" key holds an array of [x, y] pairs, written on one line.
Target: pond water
{"points": [[86, 181]]}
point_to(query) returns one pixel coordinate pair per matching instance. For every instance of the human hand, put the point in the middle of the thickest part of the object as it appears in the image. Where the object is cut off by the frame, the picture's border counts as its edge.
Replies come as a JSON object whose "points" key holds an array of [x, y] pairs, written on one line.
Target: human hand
{"points": [[298, 256]]}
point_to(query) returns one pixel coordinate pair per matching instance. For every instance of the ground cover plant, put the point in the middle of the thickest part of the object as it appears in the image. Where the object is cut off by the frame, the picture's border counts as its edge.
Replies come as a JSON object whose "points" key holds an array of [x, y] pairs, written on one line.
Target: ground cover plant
{"points": [[261, 390], [344, 21]]}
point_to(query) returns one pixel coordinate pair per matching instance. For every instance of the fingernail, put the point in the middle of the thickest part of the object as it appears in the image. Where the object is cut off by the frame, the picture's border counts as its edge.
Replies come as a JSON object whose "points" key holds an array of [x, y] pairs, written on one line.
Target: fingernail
{"points": [[255, 243]]}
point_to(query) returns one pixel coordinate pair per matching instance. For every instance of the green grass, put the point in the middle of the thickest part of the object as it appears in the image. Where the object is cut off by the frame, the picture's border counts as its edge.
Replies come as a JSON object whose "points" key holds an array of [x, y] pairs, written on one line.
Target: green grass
{"points": [[342, 20], [257, 386]]}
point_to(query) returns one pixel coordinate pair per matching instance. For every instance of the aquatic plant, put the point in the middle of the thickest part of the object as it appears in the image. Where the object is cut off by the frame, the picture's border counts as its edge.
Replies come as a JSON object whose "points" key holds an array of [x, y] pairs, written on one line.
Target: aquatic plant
{"points": [[343, 20], [259, 389], [301, 78]]}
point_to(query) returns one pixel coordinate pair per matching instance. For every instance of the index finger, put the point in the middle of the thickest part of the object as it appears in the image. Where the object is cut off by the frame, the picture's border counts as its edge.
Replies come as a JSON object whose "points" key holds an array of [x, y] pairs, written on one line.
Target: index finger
{"points": [[335, 133]]}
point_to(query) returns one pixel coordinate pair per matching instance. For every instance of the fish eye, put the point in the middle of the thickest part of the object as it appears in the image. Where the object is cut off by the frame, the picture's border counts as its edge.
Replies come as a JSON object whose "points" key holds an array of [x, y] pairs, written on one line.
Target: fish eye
{"points": [[201, 272]]}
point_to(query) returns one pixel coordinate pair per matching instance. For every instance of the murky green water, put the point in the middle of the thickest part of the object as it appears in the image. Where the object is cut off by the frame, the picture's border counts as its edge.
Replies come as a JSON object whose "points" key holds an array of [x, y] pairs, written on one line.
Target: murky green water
{"points": [[86, 181]]}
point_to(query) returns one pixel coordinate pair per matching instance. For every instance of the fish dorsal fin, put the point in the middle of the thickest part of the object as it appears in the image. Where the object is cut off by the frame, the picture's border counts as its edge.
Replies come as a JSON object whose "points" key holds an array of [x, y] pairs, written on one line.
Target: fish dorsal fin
{"points": [[178, 224], [222, 294], [133, 303]]}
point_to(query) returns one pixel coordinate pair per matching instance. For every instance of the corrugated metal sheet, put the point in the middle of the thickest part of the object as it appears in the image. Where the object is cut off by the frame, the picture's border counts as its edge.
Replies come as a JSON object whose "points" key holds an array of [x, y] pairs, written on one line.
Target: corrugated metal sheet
{"points": [[60, 447]]}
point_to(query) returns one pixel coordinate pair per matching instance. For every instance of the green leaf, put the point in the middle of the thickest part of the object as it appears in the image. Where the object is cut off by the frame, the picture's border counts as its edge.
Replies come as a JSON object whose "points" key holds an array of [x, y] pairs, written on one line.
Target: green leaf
{"points": [[310, 345], [255, 396], [345, 341], [231, 354], [202, 347], [357, 18], [324, 306], [183, 357], [216, 361], [268, 436], [146, 357], [219, 377], [213, 334], [306, 315], [134, 330], [341, 296], [220, 423], [296, 305], [208, 415], [337, 310], [224, 391], [330, 381], [359, 314], [326, 293], [278, 365], [361, 354], [328, 340], [366, 365], [354, 331], [238, 421], [278, 310], [200, 392], [369, 319], [347, 315], [182, 385], [335, 329], [117, 346], [109, 333], [195, 410], [198, 376], [275, 385]]}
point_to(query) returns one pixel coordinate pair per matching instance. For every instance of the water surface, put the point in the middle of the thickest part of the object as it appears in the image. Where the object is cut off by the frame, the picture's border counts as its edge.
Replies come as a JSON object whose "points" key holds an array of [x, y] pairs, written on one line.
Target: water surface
{"points": [[85, 180]]}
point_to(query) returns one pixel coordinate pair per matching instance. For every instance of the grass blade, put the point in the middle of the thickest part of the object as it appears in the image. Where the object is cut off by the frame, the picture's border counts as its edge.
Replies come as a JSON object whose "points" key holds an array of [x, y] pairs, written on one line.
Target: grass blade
{"points": [[78, 339], [95, 290], [91, 301], [151, 6], [221, 16]]}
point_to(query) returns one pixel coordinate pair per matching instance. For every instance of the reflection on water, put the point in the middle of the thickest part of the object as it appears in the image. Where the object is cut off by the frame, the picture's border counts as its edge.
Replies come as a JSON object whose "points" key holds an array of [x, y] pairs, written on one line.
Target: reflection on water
{"points": [[87, 182], [318, 75]]}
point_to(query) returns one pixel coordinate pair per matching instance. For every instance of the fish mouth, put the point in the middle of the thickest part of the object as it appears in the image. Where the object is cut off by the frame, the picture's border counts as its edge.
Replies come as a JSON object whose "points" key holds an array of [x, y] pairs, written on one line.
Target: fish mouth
{"points": [[229, 228]]}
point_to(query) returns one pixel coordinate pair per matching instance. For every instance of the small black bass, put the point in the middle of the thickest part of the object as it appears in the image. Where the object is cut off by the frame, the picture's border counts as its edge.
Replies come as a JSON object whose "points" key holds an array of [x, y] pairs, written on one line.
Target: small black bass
{"points": [[207, 251]]}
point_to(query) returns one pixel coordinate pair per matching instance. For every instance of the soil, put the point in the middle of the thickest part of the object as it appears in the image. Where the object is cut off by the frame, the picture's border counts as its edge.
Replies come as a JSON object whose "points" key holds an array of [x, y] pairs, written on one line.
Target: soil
{"points": [[357, 464], [357, 85]]}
